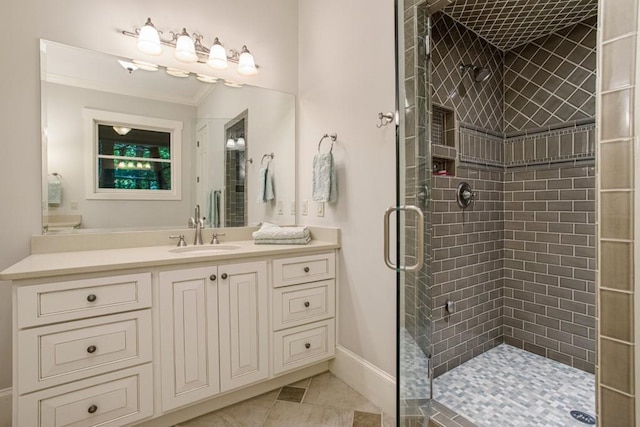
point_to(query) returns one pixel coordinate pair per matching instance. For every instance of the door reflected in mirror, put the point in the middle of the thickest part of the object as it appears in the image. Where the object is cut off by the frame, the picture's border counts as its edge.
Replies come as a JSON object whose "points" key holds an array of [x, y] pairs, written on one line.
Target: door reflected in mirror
{"points": [[201, 170]]}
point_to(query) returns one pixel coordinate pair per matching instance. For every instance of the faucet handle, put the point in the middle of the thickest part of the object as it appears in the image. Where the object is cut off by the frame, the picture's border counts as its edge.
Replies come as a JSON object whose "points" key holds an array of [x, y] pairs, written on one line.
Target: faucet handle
{"points": [[181, 241], [191, 223], [214, 238]]}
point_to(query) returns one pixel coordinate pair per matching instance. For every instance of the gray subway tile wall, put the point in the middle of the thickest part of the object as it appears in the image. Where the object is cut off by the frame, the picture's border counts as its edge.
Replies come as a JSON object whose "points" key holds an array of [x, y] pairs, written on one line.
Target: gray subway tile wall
{"points": [[520, 263]]}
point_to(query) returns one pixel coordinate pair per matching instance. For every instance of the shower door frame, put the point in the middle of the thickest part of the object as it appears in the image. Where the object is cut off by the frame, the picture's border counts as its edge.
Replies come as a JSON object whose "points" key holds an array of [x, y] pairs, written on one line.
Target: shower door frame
{"points": [[413, 183]]}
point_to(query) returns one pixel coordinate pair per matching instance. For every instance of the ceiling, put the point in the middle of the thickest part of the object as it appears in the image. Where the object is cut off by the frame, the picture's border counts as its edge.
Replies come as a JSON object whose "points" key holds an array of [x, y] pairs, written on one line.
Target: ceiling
{"points": [[507, 24]]}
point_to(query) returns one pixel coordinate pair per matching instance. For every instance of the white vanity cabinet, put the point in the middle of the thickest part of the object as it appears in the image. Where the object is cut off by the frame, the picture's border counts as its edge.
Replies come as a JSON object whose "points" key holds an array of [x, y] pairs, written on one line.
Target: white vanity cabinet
{"points": [[303, 311], [83, 352], [206, 309], [94, 348]]}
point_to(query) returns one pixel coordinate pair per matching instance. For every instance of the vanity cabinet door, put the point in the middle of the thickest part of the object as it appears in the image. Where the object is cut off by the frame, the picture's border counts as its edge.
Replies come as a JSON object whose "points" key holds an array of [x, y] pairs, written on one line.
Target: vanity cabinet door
{"points": [[243, 324], [188, 335]]}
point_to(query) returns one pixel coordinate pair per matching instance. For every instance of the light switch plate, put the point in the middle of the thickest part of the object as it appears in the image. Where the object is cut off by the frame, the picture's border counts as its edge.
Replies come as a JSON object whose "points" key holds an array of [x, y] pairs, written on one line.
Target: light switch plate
{"points": [[280, 207], [293, 207], [321, 209], [305, 207]]}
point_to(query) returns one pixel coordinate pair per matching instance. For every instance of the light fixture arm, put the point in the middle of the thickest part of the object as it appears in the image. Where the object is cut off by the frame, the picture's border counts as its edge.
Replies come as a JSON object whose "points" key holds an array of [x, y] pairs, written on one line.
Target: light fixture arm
{"points": [[201, 50]]}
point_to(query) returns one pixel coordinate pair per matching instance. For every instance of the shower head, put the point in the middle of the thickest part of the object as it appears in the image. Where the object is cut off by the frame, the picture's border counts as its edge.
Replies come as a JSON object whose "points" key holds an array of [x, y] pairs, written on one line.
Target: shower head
{"points": [[480, 74]]}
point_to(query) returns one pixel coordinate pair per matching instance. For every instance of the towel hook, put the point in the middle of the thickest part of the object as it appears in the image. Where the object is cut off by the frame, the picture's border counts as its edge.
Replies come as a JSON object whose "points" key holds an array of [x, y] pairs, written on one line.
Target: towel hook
{"points": [[333, 136], [385, 119], [269, 156]]}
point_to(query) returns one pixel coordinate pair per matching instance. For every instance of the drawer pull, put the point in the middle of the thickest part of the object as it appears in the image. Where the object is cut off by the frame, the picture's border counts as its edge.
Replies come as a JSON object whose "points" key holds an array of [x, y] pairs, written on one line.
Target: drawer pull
{"points": [[307, 345], [213, 277], [92, 409], [307, 304], [224, 276], [91, 349], [92, 298], [307, 269]]}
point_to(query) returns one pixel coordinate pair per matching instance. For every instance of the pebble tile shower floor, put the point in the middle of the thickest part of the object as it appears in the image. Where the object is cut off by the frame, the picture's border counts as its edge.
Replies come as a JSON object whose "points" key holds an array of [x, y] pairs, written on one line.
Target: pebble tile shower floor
{"points": [[507, 387]]}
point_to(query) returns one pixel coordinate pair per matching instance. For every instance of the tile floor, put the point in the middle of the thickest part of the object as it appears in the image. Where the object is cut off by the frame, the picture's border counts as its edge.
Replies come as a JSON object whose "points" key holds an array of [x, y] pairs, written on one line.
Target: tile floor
{"points": [[319, 401], [505, 387]]}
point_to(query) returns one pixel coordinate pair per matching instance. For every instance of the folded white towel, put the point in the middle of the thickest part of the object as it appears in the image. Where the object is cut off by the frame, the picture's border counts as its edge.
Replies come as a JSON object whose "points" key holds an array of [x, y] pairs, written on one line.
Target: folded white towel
{"points": [[302, 241], [54, 193], [265, 185], [270, 231], [325, 188]]}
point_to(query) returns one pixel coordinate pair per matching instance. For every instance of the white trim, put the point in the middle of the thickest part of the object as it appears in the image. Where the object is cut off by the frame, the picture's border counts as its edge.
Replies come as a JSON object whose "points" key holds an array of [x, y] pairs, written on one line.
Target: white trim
{"points": [[93, 117], [367, 379]]}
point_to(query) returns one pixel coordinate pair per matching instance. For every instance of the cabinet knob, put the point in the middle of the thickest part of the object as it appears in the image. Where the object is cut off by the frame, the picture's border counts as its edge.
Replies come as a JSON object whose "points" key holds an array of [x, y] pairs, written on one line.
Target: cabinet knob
{"points": [[306, 269], [224, 276], [92, 298], [213, 277], [92, 409], [307, 304], [307, 345], [91, 349]]}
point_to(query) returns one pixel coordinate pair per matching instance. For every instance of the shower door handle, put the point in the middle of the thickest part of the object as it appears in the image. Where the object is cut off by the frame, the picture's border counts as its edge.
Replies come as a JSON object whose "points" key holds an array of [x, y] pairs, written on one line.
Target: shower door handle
{"points": [[419, 240]]}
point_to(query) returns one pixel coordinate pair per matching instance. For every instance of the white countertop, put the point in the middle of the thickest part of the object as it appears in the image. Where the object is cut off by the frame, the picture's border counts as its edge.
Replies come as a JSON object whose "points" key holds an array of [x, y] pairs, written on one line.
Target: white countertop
{"points": [[92, 261]]}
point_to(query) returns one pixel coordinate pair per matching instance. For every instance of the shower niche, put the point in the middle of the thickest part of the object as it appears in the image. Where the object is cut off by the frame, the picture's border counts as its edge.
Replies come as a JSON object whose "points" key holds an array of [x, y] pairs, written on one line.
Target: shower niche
{"points": [[444, 145]]}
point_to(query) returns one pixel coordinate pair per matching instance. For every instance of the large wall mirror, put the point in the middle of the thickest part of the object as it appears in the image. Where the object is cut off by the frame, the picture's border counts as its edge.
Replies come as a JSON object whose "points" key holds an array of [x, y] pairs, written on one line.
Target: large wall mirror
{"points": [[131, 148]]}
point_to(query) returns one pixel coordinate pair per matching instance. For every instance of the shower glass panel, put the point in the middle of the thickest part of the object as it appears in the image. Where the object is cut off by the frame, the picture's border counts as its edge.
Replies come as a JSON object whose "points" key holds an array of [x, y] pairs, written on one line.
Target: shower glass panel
{"points": [[414, 176]]}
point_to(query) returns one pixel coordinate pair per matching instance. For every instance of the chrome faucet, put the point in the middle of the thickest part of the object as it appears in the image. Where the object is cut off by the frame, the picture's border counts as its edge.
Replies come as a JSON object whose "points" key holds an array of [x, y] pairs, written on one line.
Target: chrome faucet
{"points": [[197, 223]]}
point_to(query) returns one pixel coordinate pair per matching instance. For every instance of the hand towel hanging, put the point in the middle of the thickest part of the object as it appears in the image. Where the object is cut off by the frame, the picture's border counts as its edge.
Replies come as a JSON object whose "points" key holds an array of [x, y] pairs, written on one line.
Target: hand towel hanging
{"points": [[265, 185], [325, 188]]}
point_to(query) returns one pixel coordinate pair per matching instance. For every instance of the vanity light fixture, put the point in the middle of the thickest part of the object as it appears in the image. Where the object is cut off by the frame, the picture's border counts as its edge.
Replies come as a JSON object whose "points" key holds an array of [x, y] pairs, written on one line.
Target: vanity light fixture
{"points": [[231, 143], [148, 39], [189, 49], [240, 142]]}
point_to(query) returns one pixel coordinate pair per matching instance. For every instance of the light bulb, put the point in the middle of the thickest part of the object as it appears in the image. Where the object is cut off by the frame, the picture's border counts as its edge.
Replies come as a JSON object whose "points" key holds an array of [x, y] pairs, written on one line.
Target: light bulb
{"points": [[121, 165], [130, 165], [231, 143], [246, 63], [185, 49], [217, 56], [139, 165], [149, 39]]}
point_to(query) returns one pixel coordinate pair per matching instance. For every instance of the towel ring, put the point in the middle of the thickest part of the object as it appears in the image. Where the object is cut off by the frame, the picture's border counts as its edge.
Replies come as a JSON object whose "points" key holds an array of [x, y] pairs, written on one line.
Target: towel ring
{"points": [[269, 156], [333, 137]]}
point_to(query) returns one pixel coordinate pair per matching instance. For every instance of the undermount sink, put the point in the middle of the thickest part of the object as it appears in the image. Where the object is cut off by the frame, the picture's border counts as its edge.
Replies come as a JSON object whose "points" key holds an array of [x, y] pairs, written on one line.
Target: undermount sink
{"points": [[204, 249]]}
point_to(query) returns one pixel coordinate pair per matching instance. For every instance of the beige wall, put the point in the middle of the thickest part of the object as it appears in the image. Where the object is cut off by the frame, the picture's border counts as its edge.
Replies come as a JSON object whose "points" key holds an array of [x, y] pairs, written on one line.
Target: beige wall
{"points": [[269, 28], [346, 78], [618, 152]]}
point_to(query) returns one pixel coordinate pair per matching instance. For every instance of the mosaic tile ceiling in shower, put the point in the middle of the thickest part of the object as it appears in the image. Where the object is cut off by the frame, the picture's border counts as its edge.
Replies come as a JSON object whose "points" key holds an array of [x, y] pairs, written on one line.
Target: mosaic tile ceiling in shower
{"points": [[507, 24]]}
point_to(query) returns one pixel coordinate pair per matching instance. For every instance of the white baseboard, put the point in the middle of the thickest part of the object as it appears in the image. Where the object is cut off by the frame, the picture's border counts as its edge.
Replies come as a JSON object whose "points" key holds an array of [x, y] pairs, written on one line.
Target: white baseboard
{"points": [[5, 407], [368, 380]]}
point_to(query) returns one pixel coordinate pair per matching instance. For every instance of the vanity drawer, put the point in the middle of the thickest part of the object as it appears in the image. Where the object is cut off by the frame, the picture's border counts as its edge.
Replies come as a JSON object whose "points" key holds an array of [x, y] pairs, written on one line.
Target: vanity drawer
{"points": [[57, 354], [297, 347], [70, 300], [300, 304], [109, 400], [291, 271]]}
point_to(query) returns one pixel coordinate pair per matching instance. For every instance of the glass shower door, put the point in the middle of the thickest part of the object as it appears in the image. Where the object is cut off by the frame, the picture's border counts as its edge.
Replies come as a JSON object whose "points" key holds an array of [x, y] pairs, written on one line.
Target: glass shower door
{"points": [[412, 214]]}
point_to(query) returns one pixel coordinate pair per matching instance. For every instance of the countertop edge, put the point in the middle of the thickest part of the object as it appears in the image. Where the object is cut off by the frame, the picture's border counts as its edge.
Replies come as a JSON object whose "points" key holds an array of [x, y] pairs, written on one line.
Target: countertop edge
{"points": [[20, 271]]}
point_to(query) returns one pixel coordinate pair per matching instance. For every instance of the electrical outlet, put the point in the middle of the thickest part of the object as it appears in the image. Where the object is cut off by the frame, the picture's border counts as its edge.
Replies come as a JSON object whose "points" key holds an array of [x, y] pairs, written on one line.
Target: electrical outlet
{"points": [[74, 205], [280, 208], [305, 207], [293, 207], [321, 209]]}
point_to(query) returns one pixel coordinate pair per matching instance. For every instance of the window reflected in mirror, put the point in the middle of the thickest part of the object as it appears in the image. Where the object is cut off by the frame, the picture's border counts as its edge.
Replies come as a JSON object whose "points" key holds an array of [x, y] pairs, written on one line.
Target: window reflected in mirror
{"points": [[133, 159]]}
